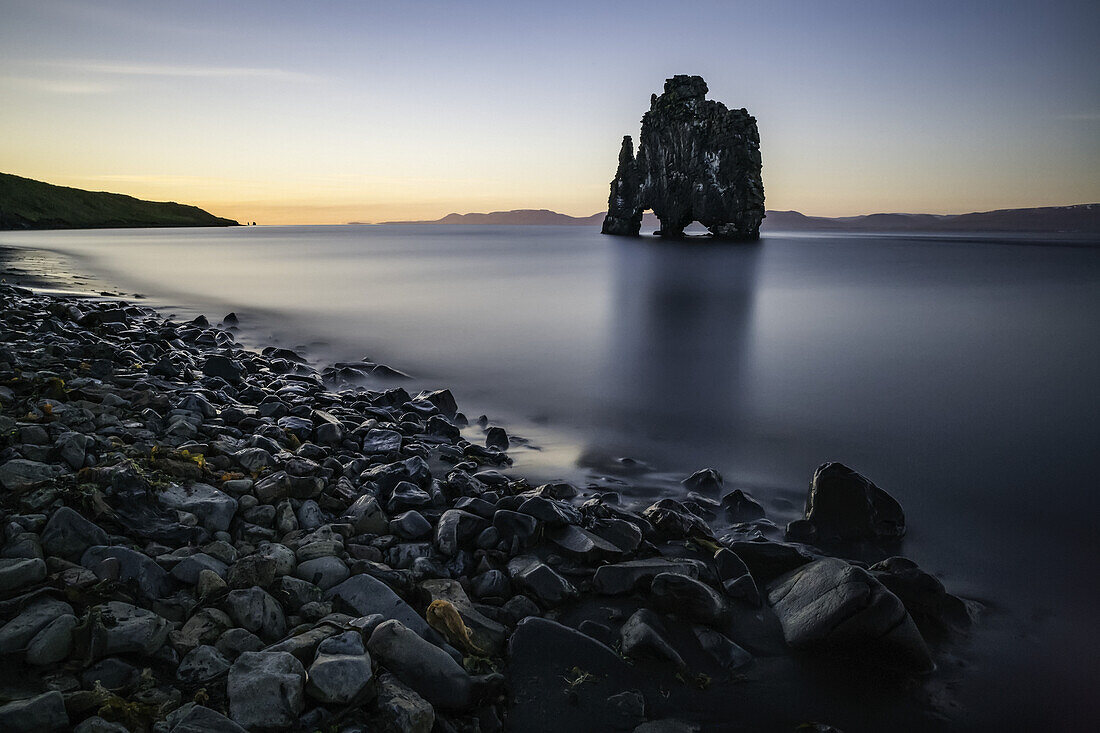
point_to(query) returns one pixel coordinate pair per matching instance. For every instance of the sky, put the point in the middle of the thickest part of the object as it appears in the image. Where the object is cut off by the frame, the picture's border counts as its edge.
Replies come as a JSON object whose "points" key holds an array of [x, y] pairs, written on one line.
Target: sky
{"points": [[326, 112]]}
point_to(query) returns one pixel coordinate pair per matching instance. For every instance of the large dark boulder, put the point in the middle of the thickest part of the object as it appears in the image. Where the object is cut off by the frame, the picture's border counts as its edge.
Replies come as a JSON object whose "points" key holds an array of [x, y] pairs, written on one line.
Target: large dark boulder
{"points": [[844, 506], [696, 161]]}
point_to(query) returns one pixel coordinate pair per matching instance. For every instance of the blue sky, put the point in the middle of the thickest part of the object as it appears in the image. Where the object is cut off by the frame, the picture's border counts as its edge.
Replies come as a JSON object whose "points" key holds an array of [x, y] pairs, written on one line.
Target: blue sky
{"points": [[326, 112]]}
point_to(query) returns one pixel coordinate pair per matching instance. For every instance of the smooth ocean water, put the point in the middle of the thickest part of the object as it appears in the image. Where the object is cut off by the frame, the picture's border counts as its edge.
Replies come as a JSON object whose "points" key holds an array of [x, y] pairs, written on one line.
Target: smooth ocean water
{"points": [[960, 373]]}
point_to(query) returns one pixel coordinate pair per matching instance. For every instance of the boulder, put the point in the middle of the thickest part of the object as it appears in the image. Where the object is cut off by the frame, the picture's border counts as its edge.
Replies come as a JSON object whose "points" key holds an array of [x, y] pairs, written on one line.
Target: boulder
{"points": [[624, 577], [838, 607], [341, 670], [400, 709], [265, 690], [427, 669], [364, 595], [45, 712], [68, 534], [688, 598], [214, 508], [844, 506]]}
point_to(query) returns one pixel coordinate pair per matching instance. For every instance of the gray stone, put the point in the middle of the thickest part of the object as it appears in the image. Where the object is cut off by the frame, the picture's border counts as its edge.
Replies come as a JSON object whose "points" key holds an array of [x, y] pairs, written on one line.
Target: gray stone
{"points": [[53, 643], [366, 516], [188, 570], [128, 629], [540, 580], [19, 572], [726, 653], [194, 718], [203, 628], [215, 509], [365, 595], [255, 610], [265, 690], [96, 724], [410, 525], [400, 709], [624, 577], [73, 449], [68, 534], [341, 670], [151, 578], [454, 528], [20, 474], [688, 598], [324, 572], [45, 712], [643, 635], [832, 605], [202, 664], [235, 641], [18, 632], [421, 665]]}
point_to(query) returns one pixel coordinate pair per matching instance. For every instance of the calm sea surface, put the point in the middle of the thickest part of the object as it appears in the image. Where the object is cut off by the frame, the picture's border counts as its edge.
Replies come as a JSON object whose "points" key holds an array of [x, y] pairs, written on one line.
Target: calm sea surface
{"points": [[961, 374]]}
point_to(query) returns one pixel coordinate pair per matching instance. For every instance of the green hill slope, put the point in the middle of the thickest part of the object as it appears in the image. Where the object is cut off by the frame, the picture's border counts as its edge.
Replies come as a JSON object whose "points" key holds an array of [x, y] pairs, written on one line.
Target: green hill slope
{"points": [[29, 204]]}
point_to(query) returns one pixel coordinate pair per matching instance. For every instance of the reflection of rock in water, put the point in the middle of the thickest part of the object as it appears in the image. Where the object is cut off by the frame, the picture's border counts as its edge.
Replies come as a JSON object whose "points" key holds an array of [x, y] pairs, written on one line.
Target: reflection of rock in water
{"points": [[679, 331]]}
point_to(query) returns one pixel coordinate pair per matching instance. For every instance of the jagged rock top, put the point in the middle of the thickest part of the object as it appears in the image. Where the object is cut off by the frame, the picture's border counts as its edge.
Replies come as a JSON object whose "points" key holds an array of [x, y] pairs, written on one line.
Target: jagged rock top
{"points": [[697, 160]]}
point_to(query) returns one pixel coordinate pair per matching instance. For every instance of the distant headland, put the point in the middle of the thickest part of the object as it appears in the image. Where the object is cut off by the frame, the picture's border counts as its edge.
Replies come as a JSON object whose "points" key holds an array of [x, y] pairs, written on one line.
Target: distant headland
{"points": [[1079, 218], [30, 204]]}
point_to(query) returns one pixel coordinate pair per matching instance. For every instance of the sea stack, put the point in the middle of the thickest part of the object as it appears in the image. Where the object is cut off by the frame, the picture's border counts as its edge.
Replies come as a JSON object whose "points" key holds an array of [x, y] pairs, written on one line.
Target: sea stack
{"points": [[697, 161]]}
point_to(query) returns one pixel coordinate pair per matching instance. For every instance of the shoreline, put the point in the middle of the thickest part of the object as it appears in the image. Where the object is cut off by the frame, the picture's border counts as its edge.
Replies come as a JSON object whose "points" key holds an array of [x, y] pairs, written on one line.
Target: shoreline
{"points": [[345, 513]]}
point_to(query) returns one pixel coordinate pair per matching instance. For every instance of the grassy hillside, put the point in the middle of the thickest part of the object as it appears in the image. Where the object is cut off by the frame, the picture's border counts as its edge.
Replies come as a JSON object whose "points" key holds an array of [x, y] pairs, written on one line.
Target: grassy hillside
{"points": [[28, 204]]}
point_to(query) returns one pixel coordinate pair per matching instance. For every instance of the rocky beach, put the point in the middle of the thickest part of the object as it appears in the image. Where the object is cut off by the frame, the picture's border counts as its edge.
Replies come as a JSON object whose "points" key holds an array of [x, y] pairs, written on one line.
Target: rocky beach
{"points": [[199, 536]]}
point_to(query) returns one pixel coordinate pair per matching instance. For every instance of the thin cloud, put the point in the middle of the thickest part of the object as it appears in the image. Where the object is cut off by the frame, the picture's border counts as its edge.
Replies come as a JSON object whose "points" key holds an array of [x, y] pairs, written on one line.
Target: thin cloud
{"points": [[56, 86], [167, 70], [1081, 116]]}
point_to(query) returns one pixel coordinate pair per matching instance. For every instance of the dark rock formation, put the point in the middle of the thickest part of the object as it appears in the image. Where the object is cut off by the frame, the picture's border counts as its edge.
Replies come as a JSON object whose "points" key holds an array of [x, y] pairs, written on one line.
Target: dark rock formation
{"points": [[696, 161]]}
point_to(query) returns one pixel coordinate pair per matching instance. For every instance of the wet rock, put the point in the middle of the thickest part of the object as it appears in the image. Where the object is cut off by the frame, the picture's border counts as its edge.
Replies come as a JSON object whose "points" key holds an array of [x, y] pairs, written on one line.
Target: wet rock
{"points": [[255, 610], [364, 595], [421, 665], [400, 709], [125, 629], [18, 633], [68, 534], [46, 712], [366, 516], [201, 665], [768, 560], [844, 506], [627, 709], [496, 438], [625, 577], [193, 718], [53, 643], [513, 526], [540, 580], [324, 572], [233, 642], [382, 442], [735, 578], [223, 367], [18, 572], [551, 513], [740, 507], [203, 628], [697, 161], [188, 569], [643, 635], [832, 605], [410, 525], [265, 690], [456, 527], [721, 649], [581, 544], [927, 601], [706, 481], [214, 508], [21, 474], [671, 520], [406, 496], [151, 579], [341, 670], [688, 598]]}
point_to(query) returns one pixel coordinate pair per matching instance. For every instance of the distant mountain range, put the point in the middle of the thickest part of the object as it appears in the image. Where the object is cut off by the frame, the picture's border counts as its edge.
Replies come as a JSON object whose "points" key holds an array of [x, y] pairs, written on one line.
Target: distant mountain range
{"points": [[1081, 218], [30, 204]]}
